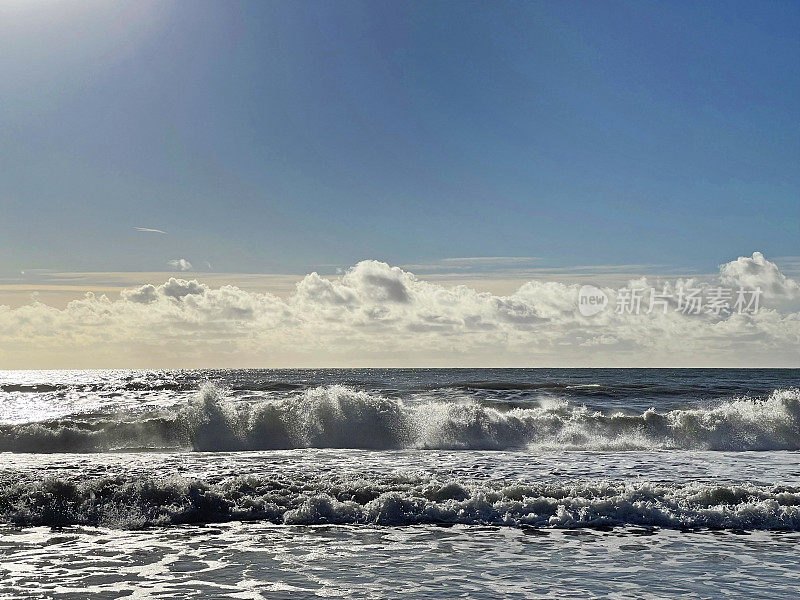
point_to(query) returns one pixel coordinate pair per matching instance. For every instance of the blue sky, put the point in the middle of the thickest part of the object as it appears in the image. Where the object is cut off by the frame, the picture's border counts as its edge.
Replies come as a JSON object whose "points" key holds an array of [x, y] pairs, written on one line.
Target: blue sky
{"points": [[295, 136]]}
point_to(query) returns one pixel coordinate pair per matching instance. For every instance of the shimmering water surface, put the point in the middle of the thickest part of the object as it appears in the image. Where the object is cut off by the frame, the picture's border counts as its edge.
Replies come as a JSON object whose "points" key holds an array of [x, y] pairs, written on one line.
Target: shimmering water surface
{"points": [[400, 483]]}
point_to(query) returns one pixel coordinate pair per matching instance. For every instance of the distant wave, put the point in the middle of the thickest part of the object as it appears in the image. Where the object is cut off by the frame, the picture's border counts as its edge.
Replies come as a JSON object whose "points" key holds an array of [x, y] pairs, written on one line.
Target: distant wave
{"points": [[144, 386], [339, 417], [32, 387], [569, 389], [96, 387], [137, 502], [541, 385]]}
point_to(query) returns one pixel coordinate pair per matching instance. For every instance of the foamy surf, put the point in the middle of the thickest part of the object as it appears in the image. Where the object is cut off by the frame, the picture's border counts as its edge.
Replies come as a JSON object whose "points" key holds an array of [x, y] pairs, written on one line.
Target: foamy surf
{"points": [[338, 416], [136, 502]]}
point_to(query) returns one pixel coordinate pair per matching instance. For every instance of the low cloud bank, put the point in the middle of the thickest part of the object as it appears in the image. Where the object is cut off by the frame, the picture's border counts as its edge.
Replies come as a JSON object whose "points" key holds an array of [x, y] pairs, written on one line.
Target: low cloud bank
{"points": [[376, 314]]}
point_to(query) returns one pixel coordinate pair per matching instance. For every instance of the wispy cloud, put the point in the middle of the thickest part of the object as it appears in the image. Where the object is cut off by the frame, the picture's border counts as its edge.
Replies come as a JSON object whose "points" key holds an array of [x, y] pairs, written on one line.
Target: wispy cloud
{"points": [[485, 269], [476, 263], [473, 260], [181, 264], [150, 230], [790, 265]]}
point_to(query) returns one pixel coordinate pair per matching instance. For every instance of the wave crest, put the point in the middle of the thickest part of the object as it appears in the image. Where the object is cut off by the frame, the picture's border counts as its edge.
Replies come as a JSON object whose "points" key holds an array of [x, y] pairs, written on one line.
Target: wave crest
{"points": [[339, 417]]}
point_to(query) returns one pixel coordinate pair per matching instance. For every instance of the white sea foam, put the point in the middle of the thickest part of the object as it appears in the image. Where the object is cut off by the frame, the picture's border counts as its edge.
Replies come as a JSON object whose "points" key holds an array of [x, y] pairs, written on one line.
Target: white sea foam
{"points": [[135, 502], [340, 417]]}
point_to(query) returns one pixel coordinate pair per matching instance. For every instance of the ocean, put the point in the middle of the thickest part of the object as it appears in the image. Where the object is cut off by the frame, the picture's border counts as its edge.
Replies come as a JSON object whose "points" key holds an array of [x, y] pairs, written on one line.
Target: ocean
{"points": [[400, 483]]}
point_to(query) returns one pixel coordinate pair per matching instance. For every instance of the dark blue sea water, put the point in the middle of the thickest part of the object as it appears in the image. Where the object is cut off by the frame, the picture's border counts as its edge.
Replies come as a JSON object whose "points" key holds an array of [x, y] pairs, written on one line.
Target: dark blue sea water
{"points": [[400, 483]]}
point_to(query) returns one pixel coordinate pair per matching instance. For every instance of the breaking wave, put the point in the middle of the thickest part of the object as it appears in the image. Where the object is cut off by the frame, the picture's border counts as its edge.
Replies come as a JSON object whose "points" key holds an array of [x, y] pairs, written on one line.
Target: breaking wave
{"points": [[339, 417], [137, 502]]}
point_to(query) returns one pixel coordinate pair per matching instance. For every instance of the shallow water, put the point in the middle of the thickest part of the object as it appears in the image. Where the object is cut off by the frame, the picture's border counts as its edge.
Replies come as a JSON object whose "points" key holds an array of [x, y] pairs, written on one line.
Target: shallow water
{"points": [[254, 560], [412, 483]]}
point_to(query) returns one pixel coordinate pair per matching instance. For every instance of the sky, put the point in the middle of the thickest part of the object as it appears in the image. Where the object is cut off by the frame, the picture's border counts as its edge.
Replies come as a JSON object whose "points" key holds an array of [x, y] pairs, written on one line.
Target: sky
{"points": [[479, 144]]}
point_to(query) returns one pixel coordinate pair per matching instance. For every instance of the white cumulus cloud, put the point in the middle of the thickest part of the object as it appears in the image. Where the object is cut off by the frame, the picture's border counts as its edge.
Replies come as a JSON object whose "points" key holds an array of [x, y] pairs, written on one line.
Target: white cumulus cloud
{"points": [[377, 314], [181, 264]]}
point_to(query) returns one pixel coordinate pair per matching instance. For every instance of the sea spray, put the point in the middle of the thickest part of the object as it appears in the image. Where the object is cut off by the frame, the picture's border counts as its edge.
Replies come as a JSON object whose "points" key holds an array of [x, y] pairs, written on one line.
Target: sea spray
{"points": [[337, 416]]}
